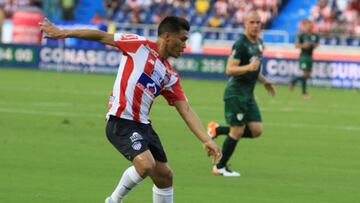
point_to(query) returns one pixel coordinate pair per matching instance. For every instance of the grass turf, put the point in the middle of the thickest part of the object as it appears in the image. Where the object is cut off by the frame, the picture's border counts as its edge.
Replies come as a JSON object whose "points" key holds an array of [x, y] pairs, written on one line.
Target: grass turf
{"points": [[53, 146]]}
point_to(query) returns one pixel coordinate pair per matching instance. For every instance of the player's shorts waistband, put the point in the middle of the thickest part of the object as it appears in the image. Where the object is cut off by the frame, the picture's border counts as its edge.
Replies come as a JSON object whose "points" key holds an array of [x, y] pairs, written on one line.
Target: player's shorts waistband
{"points": [[118, 119]]}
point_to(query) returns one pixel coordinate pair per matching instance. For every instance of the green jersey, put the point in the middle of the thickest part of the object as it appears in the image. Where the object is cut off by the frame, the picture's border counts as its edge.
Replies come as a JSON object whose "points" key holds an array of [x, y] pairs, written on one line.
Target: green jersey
{"points": [[307, 38], [243, 85]]}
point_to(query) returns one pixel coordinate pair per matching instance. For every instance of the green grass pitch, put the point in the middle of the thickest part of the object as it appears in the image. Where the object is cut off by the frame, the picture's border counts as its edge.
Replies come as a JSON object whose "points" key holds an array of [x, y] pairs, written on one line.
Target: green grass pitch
{"points": [[53, 147]]}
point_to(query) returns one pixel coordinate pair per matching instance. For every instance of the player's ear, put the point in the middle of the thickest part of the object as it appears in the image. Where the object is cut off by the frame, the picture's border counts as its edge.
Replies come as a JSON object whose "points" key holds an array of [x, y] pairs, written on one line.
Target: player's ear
{"points": [[167, 36], [164, 36]]}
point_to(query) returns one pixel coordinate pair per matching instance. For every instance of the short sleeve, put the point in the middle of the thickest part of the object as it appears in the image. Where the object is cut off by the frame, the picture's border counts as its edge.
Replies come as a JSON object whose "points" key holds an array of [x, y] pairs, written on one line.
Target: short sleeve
{"points": [[174, 93], [317, 38], [299, 39], [128, 42], [237, 51]]}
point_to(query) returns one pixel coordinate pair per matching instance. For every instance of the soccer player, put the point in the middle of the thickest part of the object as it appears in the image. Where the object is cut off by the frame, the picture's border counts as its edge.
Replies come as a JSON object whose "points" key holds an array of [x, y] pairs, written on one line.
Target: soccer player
{"points": [[144, 73], [307, 42], [241, 110]]}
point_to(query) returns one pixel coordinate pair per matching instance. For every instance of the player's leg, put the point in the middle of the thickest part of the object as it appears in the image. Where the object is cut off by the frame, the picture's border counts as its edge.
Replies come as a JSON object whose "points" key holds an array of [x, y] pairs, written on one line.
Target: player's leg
{"points": [[307, 74], [254, 126], [162, 175], [128, 137], [228, 148], [214, 129], [230, 143], [249, 132], [144, 165], [253, 130], [294, 80], [235, 110], [162, 178]]}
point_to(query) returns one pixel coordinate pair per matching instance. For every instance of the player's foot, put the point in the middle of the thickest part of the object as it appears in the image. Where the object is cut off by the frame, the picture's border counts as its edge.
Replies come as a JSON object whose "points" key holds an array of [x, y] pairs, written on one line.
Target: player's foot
{"points": [[306, 96], [291, 86], [110, 200], [211, 129], [225, 171]]}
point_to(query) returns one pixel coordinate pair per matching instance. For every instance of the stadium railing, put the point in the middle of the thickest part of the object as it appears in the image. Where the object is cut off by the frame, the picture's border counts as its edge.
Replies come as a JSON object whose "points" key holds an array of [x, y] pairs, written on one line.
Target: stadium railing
{"points": [[231, 34], [209, 33]]}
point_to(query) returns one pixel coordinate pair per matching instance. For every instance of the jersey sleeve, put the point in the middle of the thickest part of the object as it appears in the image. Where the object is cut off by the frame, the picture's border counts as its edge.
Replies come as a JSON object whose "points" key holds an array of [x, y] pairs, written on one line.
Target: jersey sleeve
{"points": [[237, 51], [174, 93], [128, 42], [299, 39], [261, 49], [317, 38]]}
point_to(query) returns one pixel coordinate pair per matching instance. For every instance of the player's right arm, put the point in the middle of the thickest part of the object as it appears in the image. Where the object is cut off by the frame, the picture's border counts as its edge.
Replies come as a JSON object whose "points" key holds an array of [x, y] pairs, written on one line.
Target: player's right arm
{"points": [[233, 68], [300, 44], [51, 31]]}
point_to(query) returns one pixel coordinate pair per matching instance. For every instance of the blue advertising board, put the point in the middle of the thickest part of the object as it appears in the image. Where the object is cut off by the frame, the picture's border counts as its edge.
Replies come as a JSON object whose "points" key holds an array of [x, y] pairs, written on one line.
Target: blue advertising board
{"points": [[343, 74], [23, 56], [99, 60]]}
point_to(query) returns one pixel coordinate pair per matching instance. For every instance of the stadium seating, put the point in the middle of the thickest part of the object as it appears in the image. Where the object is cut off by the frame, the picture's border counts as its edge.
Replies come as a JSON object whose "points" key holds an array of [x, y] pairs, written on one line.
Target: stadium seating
{"points": [[223, 20], [224, 10], [336, 21], [217, 19]]}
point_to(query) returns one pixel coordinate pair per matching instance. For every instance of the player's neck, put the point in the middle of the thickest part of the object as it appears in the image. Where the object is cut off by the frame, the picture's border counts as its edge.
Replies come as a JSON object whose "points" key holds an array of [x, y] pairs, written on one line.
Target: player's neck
{"points": [[162, 49], [251, 37]]}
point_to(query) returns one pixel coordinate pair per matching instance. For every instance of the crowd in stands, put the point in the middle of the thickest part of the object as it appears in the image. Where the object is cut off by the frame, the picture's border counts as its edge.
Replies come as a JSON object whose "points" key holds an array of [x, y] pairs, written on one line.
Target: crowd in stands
{"points": [[212, 13], [8, 7], [53, 9], [330, 16], [336, 17]]}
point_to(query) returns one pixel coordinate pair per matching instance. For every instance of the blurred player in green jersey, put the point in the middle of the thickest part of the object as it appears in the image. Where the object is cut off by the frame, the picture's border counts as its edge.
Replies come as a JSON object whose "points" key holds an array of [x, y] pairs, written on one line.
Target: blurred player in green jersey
{"points": [[307, 42]]}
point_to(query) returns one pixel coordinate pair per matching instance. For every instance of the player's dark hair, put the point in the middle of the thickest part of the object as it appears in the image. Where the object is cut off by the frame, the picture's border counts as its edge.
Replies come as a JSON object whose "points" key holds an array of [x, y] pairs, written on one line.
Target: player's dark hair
{"points": [[173, 24]]}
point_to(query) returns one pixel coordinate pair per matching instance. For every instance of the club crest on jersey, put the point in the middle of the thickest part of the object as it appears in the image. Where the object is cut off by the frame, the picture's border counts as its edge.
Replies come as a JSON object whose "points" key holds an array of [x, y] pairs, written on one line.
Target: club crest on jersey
{"points": [[149, 84]]}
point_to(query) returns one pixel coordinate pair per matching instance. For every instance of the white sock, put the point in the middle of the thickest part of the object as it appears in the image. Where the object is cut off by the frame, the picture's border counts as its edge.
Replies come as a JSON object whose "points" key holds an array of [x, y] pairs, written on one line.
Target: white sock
{"points": [[163, 195], [129, 180]]}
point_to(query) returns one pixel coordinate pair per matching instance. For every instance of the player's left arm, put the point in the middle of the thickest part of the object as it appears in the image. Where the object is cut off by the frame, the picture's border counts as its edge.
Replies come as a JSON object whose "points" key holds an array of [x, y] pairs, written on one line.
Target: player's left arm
{"points": [[267, 84], [193, 122]]}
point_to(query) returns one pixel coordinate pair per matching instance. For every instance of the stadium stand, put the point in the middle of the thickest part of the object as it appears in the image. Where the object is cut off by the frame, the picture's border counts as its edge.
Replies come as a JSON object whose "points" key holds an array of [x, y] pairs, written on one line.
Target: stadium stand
{"points": [[337, 21], [217, 19], [222, 20], [212, 13]]}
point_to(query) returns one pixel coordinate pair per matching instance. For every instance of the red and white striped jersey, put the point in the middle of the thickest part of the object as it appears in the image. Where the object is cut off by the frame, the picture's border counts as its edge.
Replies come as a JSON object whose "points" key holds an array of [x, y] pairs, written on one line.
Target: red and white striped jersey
{"points": [[142, 75]]}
